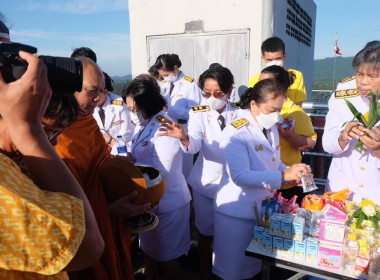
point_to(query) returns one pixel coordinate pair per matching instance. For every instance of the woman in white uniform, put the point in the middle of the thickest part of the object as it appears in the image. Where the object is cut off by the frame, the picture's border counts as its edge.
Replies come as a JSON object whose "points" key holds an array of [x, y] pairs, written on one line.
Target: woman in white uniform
{"points": [[250, 146], [171, 238], [181, 94], [206, 123]]}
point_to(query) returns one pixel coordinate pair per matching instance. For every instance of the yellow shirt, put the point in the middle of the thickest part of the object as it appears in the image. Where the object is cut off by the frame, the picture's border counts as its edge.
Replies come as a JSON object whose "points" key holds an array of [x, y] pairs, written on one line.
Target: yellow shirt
{"points": [[297, 90], [40, 231], [302, 126]]}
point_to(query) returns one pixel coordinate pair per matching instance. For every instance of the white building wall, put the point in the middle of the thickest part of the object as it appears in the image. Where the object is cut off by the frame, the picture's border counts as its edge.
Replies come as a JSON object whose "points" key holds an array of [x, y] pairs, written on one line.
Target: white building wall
{"points": [[262, 18]]}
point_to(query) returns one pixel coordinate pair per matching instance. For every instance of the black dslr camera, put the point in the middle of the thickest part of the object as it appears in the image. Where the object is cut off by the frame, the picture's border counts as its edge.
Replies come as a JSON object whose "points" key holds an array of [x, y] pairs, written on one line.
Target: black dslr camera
{"points": [[64, 74]]}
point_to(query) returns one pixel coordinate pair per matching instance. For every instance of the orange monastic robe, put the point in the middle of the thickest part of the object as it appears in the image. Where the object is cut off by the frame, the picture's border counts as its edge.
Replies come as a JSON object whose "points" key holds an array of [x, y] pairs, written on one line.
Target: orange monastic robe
{"points": [[83, 149]]}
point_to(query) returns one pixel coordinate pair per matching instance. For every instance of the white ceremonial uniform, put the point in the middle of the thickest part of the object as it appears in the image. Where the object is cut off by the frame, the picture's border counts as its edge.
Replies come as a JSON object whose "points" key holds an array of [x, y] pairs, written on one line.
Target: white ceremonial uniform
{"points": [[180, 99], [253, 168], [347, 83], [171, 238], [349, 168], [183, 96], [117, 119], [204, 133]]}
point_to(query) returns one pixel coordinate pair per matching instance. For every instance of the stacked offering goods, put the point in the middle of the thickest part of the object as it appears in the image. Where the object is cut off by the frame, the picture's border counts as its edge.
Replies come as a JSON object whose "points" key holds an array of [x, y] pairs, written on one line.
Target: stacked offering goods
{"points": [[326, 231]]}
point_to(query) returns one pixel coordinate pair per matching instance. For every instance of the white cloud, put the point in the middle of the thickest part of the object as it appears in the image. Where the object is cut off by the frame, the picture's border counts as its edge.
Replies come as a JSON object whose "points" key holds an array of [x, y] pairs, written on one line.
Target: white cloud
{"points": [[79, 6], [112, 49]]}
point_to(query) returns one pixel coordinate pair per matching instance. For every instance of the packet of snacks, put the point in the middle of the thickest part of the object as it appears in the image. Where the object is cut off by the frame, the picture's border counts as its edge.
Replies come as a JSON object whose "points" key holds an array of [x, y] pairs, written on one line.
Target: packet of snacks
{"points": [[308, 183]]}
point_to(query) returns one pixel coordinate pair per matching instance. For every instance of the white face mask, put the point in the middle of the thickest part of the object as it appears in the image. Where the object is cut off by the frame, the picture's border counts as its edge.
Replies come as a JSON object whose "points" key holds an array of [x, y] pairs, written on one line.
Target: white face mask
{"points": [[137, 118], [268, 120], [275, 62], [216, 103], [170, 78]]}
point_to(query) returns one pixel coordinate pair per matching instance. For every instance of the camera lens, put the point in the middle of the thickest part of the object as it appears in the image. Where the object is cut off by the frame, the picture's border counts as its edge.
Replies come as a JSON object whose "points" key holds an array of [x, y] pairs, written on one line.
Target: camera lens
{"points": [[64, 74]]}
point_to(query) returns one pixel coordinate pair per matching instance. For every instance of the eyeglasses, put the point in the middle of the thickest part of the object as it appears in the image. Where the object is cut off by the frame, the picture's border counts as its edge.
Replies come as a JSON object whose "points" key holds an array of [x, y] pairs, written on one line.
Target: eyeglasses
{"points": [[51, 132], [216, 94]]}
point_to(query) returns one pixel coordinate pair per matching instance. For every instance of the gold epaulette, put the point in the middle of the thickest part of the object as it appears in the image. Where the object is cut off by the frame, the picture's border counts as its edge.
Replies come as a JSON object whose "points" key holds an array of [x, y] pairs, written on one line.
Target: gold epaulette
{"points": [[189, 79], [347, 79], [159, 118], [117, 102], [235, 105], [346, 93], [201, 108], [239, 123]]}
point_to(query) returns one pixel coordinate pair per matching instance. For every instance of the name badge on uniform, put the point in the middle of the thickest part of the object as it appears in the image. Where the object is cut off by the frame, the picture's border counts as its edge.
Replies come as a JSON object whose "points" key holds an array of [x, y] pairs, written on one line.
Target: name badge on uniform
{"points": [[179, 95]]}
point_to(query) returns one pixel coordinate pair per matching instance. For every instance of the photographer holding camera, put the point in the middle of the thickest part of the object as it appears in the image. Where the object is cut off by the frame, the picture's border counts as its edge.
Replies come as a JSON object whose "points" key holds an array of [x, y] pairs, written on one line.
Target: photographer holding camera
{"points": [[48, 223]]}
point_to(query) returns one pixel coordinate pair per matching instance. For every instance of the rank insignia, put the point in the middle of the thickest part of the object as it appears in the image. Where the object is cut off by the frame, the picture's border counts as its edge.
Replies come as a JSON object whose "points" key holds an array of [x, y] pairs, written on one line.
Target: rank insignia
{"points": [[117, 102], [259, 148], [201, 108], [159, 118], [189, 79], [239, 123], [346, 93]]}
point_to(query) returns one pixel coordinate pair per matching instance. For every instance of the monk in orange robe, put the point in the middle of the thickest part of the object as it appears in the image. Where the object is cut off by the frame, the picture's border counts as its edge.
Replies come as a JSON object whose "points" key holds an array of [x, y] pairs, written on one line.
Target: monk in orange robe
{"points": [[84, 150]]}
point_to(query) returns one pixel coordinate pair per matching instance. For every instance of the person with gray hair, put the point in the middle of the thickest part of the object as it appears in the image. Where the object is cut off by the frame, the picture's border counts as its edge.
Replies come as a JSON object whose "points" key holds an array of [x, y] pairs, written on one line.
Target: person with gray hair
{"points": [[357, 170]]}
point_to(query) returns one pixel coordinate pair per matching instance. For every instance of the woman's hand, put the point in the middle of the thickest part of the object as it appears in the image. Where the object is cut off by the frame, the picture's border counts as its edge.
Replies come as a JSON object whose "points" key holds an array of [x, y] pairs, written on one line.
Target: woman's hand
{"points": [[295, 173], [175, 130]]}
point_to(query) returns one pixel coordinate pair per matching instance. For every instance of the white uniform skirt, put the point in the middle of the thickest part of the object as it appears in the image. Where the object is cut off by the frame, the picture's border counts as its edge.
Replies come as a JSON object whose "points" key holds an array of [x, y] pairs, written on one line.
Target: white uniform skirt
{"points": [[171, 238], [204, 213], [231, 237]]}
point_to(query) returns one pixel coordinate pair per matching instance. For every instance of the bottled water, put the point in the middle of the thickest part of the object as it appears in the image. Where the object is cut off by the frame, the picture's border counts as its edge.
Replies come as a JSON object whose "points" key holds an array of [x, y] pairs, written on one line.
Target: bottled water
{"points": [[121, 146], [374, 267], [350, 252]]}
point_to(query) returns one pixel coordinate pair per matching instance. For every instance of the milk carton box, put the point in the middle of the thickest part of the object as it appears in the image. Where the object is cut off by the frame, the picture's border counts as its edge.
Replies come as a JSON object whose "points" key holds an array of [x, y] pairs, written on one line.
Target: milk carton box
{"points": [[298, 228], [286, 226], [312, 249], [299, 250], [278, 246], [275, 224], [267, 243], [288, 249], [258, 236]]}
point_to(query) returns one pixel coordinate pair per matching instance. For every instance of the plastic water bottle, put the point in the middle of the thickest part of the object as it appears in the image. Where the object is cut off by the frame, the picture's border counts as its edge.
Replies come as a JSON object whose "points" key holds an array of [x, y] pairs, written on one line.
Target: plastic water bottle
{"points": [[350, 252], [374, 267], [121, 146]]}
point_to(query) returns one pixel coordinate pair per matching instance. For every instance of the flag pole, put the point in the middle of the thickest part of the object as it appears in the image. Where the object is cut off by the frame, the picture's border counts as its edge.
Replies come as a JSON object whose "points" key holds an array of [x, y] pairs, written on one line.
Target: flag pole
{"points": [[336, 43]]}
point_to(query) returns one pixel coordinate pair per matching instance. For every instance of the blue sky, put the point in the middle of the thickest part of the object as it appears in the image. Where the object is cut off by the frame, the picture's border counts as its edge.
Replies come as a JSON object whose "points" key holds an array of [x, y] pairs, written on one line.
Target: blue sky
{"points": [[55, 27]]}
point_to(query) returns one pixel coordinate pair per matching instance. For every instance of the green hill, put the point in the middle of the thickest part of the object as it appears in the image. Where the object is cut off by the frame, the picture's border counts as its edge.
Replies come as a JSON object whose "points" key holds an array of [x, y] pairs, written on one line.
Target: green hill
{"points": [[324, 71]]}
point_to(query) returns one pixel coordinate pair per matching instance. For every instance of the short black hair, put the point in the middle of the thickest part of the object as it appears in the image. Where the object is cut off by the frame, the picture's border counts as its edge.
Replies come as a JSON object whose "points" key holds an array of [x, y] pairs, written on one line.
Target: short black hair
{"points": [[63, 108], [108, 82], [220, 74], [281, 75], [261, 92], [154, 72], [84, 51], [368, 56], [146, 93], [272, 44], [167, 62]]}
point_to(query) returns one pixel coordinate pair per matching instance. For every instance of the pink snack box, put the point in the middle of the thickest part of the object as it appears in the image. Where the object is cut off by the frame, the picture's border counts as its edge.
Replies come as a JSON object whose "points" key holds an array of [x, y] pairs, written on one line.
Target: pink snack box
{"points": [[329, 255], [331, 232]]}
